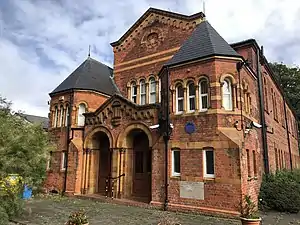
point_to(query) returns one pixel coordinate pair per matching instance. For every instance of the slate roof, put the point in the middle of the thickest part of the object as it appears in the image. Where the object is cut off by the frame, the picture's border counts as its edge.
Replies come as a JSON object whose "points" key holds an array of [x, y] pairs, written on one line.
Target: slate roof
{"points": [[90, 75], [44, 121], [203, 42]]}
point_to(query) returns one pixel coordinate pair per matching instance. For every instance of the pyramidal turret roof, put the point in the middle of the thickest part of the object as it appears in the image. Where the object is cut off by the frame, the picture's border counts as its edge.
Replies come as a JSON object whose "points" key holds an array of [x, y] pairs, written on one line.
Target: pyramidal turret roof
{"points": [[203, 42], [90, 75]]}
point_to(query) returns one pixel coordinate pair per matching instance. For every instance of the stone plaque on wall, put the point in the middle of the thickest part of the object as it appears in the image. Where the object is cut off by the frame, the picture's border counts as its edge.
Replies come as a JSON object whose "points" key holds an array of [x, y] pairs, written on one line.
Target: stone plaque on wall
{"points": [[193, 190]]}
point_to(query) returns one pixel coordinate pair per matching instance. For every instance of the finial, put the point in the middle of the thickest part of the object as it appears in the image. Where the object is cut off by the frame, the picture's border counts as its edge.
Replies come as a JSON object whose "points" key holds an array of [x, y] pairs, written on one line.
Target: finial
{"points": [[204, 7], [89, 55]]}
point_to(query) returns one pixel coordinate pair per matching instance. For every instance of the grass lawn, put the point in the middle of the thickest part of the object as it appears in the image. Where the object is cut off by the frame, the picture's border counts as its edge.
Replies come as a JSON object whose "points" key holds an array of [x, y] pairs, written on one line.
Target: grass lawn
{"points": [[55, 210]]}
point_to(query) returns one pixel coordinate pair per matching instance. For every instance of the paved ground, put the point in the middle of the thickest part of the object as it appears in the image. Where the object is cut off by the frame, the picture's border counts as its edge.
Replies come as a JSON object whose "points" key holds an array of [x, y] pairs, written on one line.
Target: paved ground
{"points": [[53, 211]]}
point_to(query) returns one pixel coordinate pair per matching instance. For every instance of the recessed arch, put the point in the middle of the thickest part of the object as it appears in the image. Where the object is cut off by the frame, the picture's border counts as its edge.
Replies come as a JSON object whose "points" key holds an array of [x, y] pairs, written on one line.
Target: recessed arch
{"points": [[227, 76], [121, 140], [89, 136]]}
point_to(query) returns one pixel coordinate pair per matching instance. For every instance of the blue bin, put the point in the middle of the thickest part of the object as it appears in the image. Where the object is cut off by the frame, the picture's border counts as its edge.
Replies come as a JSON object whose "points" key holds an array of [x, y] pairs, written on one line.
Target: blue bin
{"points": [[27, 193]]}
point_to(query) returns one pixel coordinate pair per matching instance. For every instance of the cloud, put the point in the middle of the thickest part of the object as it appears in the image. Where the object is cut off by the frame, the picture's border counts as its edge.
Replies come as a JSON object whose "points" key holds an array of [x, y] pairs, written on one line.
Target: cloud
{"points": [[42, 42]]}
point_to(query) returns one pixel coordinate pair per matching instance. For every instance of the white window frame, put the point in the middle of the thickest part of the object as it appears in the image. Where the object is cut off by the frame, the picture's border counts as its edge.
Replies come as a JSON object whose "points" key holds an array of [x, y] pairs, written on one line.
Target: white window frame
{"points": [[228, 94], [203, 95], [55, 117], [175, 174], [81, 118], [132, 86], [179, 98], [191, 97], [142, 94], [205, 163], [63, 159], [151, 93], [61, 116], [67, 116]]}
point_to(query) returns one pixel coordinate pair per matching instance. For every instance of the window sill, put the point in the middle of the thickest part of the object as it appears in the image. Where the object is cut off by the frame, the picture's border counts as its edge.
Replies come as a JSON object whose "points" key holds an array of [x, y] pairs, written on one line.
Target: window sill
{"points": [[209, 179], [175, 177], [178, 113], [252, 178], [190, 112]]}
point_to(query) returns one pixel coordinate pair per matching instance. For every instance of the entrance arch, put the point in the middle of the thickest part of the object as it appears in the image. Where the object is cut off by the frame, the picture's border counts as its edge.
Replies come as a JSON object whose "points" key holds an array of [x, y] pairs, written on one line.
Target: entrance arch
{"points": [[136, 139], [97, 164]]}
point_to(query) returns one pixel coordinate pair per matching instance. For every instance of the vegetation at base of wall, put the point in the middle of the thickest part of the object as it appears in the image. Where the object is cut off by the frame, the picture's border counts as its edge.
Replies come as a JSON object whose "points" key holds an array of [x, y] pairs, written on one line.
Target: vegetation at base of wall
{"points": [[281, 191], [24, 150]]}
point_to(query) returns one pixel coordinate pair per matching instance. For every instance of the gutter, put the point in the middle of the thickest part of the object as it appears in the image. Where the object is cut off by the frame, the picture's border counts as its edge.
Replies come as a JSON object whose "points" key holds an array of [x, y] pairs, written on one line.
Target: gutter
{"points": [[262, 112], [287, 133], [166, 137]]}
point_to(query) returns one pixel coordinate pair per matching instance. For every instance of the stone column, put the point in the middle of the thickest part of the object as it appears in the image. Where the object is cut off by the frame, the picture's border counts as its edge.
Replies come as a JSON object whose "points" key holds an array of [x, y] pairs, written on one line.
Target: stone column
{"points": [[185, 99], [138, 100], [129, 93], [234, 96], [147, 92], [157, 92], [197, 98], [173, 98]]}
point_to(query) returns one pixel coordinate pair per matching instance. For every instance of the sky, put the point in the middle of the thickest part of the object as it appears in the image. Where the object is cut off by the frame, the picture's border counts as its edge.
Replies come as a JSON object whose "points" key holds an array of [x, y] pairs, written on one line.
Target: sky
{"points": [[43, 41]]}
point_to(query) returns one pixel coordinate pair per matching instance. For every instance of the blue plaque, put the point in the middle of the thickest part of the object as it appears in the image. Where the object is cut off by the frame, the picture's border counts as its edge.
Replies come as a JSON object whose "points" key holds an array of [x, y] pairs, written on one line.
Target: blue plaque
{"points": [[190, 128]]}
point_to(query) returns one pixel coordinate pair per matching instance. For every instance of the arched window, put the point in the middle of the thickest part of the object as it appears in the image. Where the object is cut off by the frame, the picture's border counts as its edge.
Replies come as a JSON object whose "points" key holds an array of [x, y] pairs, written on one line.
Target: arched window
{"points": [[61, 116], [179, 98], [55, 119], [227, 95], [203, 92], [133, 92], [67, 116], [142, 92], [152, 90], [81, 111], [191, 97]]}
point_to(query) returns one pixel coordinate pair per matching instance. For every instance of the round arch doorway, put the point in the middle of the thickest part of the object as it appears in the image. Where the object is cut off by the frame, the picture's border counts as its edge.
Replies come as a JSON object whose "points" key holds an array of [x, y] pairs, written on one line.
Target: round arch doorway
{"points": [[98, 164], [141, 165]]}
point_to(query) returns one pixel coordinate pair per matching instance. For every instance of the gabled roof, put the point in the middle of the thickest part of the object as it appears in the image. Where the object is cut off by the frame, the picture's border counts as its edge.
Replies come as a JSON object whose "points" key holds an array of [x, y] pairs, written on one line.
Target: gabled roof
{"points": [[35, 119], [90, 75], [159, 12], [203, 42]]}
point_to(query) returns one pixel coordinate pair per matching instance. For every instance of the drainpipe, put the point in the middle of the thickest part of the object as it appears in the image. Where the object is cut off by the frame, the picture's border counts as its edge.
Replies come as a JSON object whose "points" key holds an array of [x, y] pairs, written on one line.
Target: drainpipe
{"points": [[167, 138], [68, 140], [287, 132], [262, 111]]}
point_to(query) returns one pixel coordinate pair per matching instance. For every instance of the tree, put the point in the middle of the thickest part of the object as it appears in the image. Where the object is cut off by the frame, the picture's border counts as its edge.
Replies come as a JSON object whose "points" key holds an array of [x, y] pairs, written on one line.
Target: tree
{"points": [[24, 150], [289, 80]]}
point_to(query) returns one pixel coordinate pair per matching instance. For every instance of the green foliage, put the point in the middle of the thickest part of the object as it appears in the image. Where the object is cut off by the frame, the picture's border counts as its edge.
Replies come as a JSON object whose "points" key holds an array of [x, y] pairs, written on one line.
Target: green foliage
{"points": [[289, 80], [281, 191], [23, 152], [3, 216], [23, 147], [248, 208], [77, 218]]}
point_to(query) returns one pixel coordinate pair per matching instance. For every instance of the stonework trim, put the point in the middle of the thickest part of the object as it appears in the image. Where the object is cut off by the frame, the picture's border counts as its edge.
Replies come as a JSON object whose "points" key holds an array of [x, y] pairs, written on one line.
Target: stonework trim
{"points": [[122, 136], [147, 57], [143, 64], [89, 136]]}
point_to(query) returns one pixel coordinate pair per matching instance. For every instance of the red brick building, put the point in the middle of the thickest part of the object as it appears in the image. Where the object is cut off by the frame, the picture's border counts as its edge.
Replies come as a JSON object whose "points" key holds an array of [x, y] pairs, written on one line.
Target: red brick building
{"points": [[229, 120]]}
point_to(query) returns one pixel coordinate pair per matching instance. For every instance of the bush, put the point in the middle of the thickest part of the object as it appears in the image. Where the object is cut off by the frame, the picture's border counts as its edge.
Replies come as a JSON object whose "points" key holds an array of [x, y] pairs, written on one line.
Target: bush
{"points": [[3, 216], [281, 191]]}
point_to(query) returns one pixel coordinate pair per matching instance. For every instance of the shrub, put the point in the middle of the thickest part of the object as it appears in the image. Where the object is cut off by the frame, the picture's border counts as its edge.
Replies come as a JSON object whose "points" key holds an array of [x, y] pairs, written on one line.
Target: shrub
{"points": [[3, 216], [281, 191]]}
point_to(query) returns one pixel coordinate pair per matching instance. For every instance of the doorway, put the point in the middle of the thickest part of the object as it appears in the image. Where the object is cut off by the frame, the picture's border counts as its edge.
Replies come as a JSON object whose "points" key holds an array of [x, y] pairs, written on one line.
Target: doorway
{"points": [[142, 166]]}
